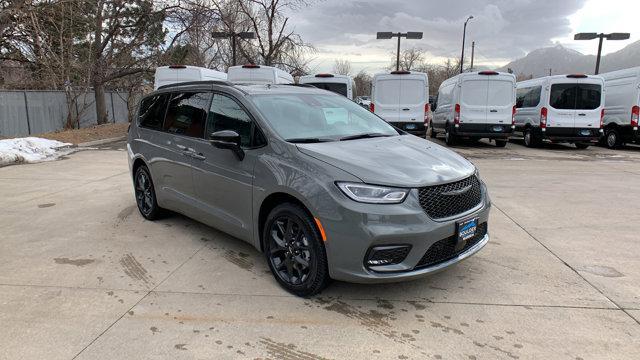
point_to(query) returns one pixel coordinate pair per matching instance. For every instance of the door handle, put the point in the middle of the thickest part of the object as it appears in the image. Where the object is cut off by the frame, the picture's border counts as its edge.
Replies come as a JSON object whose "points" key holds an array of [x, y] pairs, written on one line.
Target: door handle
{"points": [[406, 109], [493, 110], [582, 114]]}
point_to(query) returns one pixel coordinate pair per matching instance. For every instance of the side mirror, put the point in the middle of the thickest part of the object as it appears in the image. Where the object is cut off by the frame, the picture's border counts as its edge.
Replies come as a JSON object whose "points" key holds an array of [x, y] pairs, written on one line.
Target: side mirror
{"points": [[227, 139]]}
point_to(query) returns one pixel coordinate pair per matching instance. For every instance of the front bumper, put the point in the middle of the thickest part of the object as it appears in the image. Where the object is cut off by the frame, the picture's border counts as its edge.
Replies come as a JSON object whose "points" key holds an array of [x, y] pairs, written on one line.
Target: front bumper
{"points": [[359, 227], [487, 131]]}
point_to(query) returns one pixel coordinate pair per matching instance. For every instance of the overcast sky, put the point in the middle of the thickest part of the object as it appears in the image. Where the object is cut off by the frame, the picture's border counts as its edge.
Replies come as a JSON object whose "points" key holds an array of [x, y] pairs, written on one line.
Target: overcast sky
{"points": [[502, 29]]}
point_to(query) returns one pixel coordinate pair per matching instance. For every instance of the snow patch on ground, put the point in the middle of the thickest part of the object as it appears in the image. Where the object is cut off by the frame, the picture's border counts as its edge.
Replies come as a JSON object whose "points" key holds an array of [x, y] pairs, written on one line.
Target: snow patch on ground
{"points": [[31, 150]]}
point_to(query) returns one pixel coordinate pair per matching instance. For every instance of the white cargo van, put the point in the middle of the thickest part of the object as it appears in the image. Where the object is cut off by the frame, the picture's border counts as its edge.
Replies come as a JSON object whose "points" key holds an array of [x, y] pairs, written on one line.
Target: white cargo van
{"points": [[258, 74], [476, 105], [166, 75], [560, 108], [402, 99], [339, 84], [621, 107]]}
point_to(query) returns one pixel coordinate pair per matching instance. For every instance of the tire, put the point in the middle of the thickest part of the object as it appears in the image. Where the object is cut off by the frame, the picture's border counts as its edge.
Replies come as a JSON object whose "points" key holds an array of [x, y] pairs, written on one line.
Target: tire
{"points": [[291, 240], [501, 143], [612, 138], [145, 194], [582, 146], [530, 140], [449, 138], [432, 134]]}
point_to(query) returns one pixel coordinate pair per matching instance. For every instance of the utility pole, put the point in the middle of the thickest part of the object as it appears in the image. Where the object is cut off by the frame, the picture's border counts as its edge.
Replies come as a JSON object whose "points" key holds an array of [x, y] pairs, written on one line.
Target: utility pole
{"points": [[464, 34], [473, 50]]}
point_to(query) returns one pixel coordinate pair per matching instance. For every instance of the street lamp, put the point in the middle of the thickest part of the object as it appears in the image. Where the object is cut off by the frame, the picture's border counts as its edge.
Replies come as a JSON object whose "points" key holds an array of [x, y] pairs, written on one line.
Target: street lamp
{"points": [[233, 36], [413, 35], [601, 36], [464, 34]]}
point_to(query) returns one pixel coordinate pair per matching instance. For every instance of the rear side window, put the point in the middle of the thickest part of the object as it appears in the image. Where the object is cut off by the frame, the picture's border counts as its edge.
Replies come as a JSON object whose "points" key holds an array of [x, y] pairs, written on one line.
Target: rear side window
{"points": [[575, 96], [333, 87], [152, 110], [588, 97], [528, 97], [226, 114], [563, 96], [187, 113]]}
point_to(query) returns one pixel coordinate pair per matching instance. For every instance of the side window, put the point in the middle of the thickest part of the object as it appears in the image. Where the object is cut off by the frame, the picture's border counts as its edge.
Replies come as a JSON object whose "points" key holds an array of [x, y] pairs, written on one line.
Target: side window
{"points": [[520, 96], [226, 114], [533, 96], [151, 113], [563, 96], [187, 113]]}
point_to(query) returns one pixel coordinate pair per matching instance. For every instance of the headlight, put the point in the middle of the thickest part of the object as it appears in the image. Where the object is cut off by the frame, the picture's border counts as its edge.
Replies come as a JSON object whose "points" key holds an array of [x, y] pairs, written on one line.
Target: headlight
{"points": [[373, 194]]}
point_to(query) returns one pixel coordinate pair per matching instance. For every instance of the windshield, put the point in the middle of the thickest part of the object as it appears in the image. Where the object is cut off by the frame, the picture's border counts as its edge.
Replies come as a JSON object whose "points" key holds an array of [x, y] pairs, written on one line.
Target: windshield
{"points": [[338, 88], [329, 117]]}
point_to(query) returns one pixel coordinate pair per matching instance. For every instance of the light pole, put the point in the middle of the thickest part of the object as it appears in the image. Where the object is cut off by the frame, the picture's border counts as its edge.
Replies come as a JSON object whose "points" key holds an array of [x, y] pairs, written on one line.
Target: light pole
{"points": [[601, 36], [473, 50], [464, 34], [409, 35], [233, 36]]}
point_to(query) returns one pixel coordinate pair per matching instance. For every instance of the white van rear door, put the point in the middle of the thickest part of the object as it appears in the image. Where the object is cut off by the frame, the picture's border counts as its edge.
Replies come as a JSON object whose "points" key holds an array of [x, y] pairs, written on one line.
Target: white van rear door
{"points": [[473, 100], [413, 97], [386, 99], [500, 101], [561, 111], [588, 104]]}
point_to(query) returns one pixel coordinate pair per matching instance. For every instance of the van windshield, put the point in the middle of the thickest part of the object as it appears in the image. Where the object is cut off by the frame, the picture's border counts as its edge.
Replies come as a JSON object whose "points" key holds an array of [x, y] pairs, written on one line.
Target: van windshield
{"points": [[575, 96], [319, 117], [338, 88]]}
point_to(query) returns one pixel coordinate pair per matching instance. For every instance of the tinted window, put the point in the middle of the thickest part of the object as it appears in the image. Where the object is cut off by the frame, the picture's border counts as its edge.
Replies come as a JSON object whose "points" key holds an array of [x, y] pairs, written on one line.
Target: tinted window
{"points": [[187, 113], [226, 114], [563, 96], [533, 96], [152, 110], [520, 95], [333, 87], [588, 96]]}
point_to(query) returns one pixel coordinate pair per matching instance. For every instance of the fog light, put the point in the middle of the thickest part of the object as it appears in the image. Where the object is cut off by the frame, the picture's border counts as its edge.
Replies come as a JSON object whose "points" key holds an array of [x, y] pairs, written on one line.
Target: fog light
{"points": [[387, 255]]}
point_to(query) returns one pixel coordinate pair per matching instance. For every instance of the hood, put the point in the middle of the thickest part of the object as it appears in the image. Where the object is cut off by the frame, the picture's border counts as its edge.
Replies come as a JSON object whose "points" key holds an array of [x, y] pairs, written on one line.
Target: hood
{"points": [[405, 161]]}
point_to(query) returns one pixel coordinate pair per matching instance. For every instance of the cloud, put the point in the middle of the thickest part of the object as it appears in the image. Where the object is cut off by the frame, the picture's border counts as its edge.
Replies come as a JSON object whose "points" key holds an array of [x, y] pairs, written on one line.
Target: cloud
{"points": [[502, 29]]}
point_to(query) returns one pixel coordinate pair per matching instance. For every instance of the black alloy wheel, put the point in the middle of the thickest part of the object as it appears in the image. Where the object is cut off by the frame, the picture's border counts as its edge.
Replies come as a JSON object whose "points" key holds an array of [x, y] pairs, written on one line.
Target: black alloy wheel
{"points": [[145, 194], [295, 251]]}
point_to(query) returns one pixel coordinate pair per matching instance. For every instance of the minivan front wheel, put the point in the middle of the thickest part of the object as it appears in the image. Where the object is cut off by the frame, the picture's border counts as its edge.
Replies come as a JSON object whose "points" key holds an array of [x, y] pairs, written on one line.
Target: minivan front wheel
{"points": [[294, 250]]}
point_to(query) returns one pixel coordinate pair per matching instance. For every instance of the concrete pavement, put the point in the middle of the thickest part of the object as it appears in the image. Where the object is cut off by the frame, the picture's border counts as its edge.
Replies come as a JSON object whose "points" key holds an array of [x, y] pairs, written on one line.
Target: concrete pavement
{"points": [[83, 275]]}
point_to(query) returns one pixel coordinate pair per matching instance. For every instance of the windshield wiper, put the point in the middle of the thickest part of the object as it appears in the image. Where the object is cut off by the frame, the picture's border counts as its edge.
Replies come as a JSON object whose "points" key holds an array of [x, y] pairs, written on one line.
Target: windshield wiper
{"points": [[307, 140], [364, 136]]}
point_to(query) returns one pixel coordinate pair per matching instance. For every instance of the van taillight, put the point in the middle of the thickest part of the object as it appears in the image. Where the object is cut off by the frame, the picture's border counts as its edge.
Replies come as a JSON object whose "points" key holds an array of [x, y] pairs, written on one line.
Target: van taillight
{"points": [[635, 114], [372, 107], [427, 107], [543, 118], [602, 118], [513, 116], [456, 115]]}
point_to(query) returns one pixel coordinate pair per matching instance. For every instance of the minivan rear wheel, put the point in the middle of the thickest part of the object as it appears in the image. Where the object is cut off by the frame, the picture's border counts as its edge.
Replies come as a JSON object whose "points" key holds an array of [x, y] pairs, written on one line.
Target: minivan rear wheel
{"points": [[145, 194], [294, 250]]}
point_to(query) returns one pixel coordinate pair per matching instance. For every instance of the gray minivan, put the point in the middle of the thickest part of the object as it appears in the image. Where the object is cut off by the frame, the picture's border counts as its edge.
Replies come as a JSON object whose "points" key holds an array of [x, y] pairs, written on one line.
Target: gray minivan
{"points": [[324, 188]]}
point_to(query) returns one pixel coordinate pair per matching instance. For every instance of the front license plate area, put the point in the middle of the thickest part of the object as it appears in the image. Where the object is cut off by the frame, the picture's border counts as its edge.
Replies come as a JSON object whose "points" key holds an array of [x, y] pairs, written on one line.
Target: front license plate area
{"points": [[466, 230]]}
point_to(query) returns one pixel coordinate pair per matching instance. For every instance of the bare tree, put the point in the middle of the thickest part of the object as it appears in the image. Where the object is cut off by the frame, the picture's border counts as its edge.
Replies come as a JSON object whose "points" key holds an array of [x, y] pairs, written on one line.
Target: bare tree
{"points": [[409, 59], [342, 67], [363, 83]]}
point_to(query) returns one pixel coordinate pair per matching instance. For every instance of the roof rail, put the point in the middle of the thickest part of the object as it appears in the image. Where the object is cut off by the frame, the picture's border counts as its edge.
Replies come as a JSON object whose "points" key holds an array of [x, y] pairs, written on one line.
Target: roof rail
{"points": [[200, 82]]}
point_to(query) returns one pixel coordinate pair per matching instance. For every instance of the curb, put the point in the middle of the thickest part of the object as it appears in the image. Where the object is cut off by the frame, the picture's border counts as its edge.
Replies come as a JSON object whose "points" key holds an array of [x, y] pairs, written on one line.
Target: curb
{"points": [[101, 142]]}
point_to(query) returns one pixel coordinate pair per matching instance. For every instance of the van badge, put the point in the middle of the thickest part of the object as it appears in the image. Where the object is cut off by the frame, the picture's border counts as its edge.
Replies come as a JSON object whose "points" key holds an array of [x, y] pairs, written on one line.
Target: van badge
{"points": [[457, 191]]}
